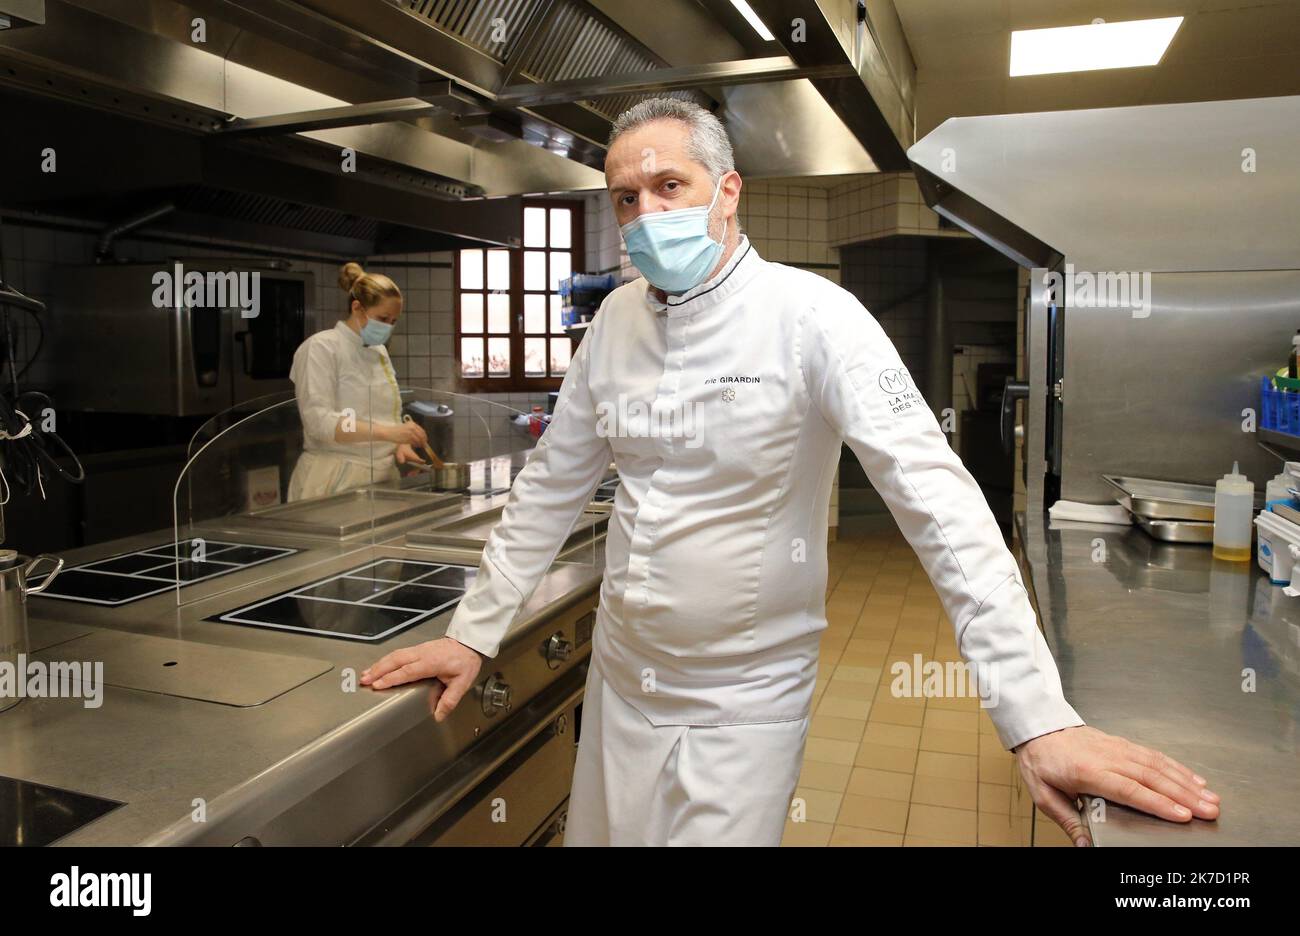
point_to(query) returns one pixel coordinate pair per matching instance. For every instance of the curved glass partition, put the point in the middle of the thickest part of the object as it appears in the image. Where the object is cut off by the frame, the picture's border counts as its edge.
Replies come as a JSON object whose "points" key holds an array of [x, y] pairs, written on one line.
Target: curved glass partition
{"points": [[263, 494], [227, 418], [484, 445]]}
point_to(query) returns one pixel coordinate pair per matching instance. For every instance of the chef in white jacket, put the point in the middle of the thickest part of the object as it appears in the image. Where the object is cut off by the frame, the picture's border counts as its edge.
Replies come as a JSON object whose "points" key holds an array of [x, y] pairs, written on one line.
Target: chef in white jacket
{"points": [[348, 398], [722, 385]]}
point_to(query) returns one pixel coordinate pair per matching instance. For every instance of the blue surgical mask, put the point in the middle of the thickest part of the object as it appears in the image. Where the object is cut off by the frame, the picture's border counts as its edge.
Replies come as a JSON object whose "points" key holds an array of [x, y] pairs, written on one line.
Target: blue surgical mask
{"points": [[375, 332], [672, 249]]}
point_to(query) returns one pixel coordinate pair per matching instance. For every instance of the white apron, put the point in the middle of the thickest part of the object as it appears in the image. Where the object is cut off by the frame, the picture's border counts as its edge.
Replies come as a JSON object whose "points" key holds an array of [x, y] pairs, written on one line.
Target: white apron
{"points": [[319, 474], [637, 784]]}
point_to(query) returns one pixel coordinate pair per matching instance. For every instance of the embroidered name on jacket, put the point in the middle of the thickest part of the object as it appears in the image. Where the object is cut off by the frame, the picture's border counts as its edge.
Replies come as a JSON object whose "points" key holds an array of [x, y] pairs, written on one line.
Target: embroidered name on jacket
{"points": [[737, 379]]}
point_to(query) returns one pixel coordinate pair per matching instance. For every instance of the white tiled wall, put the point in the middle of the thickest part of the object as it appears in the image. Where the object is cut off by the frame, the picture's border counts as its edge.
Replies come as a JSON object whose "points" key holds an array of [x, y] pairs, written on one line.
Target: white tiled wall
{"points": [[421, 346], [787, 222], [886, 204], [889, 278], [605, 252]]}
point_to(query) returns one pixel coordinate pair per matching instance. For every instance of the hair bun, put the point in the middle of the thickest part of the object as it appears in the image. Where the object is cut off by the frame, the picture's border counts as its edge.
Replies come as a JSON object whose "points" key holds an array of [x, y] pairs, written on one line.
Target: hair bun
{"points": [[349, 273]]}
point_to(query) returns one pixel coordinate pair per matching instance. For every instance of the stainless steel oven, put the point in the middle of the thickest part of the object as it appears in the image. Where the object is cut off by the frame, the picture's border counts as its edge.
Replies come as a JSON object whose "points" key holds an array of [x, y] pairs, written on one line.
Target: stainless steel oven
{"points": [[176, 338]]}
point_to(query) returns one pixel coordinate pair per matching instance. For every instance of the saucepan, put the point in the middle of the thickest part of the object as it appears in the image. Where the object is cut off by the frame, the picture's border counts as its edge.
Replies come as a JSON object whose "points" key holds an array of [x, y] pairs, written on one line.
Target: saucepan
{"points": [[15, 570]]}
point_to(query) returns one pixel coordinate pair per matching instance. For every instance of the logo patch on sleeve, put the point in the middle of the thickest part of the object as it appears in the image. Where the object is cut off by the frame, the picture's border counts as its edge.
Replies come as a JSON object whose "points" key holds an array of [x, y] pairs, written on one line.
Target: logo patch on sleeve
{"points": [[896, 385]]}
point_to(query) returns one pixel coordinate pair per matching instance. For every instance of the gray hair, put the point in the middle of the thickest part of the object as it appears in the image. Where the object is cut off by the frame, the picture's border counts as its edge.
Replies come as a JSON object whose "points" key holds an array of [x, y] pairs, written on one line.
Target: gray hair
{"points": [[708, 143]]}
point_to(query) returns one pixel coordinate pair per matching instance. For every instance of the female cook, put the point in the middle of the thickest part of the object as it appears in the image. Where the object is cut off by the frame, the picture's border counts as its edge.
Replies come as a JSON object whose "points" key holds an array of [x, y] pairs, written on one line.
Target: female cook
{"points": [[353, 433]]}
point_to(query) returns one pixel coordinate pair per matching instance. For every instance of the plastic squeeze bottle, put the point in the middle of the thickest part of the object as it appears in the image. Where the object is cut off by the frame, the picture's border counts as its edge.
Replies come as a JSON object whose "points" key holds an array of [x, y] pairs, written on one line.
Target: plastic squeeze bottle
{"points": [[1234, 502], [1279, 488]]}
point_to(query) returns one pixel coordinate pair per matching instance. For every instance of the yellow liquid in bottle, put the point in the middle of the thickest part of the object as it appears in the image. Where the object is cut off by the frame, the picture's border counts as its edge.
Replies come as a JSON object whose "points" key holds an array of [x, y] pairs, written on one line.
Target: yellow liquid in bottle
{"points": [[1233, 553]]}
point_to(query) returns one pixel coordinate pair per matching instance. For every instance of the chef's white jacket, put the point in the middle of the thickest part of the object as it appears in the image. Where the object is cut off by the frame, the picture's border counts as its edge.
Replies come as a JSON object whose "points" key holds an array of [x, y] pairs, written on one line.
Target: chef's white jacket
{"points": [[334, 372], [724, 410]]}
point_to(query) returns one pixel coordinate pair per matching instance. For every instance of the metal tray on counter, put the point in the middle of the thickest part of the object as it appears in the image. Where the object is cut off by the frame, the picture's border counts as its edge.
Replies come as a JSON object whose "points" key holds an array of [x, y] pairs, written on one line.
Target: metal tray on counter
{"points": [[351, 512], [1167, 500], [472, 532], [1178, 531]]}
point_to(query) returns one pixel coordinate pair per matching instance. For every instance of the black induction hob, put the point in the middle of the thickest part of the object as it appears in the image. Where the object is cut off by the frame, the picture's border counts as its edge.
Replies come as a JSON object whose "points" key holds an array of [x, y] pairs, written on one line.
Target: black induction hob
{"points": [[128, 577], [605, 492], [36, 815], [371, 602]]}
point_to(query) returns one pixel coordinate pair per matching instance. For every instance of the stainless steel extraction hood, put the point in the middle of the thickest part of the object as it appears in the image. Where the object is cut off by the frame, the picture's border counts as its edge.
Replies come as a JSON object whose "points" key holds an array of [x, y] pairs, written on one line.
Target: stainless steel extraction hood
{"points": [[1192, 208], [288, 194], [468, 99], [1168, 187]]}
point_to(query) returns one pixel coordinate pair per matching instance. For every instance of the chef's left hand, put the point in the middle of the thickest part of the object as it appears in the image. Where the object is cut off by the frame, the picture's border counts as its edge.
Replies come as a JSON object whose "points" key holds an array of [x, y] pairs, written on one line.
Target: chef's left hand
{"points": [[406, 454], [1062, 766]]}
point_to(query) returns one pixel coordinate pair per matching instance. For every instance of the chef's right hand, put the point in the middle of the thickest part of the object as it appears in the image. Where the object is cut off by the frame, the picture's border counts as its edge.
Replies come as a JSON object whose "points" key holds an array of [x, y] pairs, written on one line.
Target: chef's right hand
{"points": [[409, 433], [453, 664]]}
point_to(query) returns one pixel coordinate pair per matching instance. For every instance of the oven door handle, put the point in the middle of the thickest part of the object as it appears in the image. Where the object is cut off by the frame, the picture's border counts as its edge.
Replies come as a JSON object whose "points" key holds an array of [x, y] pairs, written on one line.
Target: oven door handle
{"points": [[1012, 390], [244, 357]]}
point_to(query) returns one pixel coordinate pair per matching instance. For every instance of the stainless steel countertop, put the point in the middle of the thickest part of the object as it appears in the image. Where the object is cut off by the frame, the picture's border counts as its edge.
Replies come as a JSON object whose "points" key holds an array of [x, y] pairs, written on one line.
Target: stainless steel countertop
{"points": [[157, 753], [1153, 640]]}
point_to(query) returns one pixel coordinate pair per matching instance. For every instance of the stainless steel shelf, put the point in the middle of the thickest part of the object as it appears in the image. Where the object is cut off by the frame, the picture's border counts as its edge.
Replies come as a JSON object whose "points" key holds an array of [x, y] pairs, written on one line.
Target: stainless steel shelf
{"points": [[1279, 440]]}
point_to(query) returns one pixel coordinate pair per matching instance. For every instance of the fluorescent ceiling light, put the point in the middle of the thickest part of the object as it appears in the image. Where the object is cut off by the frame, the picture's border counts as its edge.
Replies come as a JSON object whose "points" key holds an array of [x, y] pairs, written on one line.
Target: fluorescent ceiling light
{"points": [[752, 18], [1092, 47]]}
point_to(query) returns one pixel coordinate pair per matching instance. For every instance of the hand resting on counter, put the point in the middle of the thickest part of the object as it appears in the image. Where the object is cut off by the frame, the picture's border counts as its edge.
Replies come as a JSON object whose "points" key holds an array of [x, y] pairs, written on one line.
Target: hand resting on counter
{"points": [[1062, 766], [453, 665]]}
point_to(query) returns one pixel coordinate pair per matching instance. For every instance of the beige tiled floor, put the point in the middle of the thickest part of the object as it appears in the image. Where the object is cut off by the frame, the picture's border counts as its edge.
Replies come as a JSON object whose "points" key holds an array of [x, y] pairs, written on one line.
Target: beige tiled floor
{"points": [[881, 770]]}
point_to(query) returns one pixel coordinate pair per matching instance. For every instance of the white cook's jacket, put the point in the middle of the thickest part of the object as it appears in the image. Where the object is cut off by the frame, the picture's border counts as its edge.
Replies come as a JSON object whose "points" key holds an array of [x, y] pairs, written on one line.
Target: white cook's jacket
{"points": [[334, 372], [713, 597]]}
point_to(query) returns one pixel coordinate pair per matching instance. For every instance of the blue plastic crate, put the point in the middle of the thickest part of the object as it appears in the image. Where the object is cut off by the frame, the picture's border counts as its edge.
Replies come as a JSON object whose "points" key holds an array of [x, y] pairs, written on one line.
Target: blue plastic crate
{"points": [[1279, 409], [586, 288]]}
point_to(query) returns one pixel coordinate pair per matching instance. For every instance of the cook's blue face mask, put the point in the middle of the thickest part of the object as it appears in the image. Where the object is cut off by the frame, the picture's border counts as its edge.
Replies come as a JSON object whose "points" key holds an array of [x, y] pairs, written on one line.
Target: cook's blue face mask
{"points": [[672, 249], [375, 332]]}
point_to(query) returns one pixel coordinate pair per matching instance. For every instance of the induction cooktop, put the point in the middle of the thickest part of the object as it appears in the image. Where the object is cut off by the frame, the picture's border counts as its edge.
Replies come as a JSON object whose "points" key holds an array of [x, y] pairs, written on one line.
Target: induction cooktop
{"points": [[371, 602], [605, 492], [128, 577]]}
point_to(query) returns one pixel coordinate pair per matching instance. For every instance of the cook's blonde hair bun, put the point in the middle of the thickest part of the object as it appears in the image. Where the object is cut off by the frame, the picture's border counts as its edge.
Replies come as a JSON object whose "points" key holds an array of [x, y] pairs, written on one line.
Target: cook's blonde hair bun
{"points": [[369, 289]]}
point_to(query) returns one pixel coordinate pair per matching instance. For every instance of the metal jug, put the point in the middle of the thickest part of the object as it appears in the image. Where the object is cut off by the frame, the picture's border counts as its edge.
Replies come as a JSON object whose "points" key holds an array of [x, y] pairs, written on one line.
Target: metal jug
{"points": [[14, 573]]}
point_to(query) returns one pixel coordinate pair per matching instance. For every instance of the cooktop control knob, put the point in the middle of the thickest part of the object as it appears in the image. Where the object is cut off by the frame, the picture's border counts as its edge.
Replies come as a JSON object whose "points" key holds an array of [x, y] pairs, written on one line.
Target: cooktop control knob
{"points": [[557, 650], [496, 695]]}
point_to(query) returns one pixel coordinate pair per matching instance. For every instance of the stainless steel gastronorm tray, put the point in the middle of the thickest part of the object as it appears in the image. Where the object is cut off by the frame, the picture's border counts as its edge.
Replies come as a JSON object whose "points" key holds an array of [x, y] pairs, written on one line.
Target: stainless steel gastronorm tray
{"points": [[351, 512], [472, 532], [1167, 500], [1178, 531]]}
